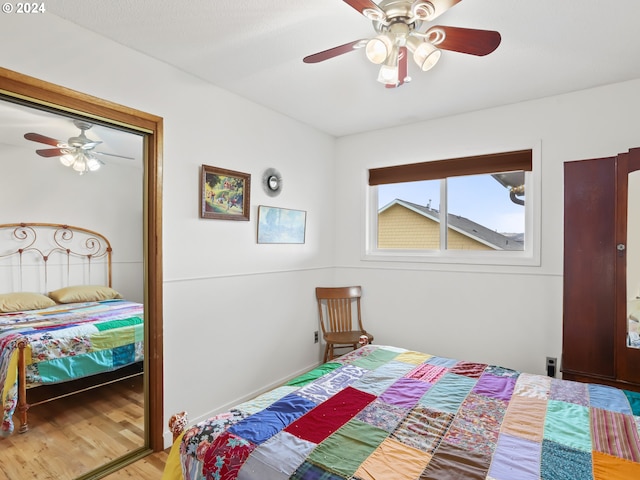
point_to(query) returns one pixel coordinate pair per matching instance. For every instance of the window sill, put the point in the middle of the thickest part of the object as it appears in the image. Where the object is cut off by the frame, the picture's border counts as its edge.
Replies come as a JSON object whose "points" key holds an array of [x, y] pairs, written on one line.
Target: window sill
{"points": [[515, 259]]}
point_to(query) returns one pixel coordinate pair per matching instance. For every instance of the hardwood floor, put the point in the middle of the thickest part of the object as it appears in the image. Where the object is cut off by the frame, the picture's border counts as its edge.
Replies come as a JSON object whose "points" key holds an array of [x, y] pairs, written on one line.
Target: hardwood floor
{"points": [[71, 436], [149, 468]]}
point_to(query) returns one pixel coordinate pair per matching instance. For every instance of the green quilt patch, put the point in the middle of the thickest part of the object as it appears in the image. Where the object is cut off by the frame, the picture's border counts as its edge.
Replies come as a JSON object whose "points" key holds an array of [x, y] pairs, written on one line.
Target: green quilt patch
{"points": [[347, 448]]}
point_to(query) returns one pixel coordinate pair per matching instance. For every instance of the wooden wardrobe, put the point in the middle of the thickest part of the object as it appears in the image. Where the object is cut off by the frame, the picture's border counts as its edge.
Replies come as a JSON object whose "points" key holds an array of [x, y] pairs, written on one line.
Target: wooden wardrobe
{"points": [[594, 347]]}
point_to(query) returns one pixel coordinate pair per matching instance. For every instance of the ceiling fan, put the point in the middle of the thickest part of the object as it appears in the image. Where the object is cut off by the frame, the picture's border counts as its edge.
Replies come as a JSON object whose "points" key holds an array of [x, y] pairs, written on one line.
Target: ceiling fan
{"points": [[402, 29], [77, 152]]}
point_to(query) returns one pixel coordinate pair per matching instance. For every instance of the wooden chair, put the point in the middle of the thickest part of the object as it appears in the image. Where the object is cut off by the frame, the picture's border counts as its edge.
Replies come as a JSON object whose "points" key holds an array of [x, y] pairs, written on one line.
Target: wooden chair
{"points": [[337, 307]]}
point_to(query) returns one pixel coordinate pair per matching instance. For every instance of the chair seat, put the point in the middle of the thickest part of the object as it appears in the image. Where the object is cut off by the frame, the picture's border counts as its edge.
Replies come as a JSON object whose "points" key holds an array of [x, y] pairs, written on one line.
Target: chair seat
{"points": [[346, 338]]}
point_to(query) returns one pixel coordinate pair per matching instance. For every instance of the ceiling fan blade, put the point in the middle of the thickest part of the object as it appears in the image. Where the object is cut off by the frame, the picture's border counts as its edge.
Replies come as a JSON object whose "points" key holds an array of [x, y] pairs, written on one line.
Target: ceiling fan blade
{"points": [[442, 6], [334, 52], [368, 9], [36, 137], [113, 155], [52, 152], [465, 40]]}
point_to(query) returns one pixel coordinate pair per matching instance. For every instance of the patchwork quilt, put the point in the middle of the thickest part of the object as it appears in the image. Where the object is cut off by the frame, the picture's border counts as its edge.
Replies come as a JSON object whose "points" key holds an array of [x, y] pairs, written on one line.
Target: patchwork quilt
{"points": [[382, 412], [67, 342]]}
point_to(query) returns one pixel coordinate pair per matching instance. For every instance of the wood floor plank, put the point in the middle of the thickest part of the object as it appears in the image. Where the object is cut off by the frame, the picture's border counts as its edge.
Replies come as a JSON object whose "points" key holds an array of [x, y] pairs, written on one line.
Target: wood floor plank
{"points": [[149, 468], [71, 436]]}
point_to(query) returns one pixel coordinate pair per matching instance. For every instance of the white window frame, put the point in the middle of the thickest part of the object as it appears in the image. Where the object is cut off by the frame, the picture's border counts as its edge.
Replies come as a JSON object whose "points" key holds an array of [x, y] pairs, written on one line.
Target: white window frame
{"points": [[530, 256]]}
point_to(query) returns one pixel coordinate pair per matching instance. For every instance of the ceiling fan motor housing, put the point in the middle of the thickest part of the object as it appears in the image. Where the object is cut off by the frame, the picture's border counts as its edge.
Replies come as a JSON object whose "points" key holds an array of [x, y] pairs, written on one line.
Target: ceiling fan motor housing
{"points": [[406, 12], [81, 141]]}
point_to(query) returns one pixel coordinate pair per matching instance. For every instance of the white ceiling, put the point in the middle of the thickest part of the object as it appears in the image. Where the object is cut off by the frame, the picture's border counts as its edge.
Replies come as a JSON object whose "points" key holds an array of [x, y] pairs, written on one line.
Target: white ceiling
{"points": [[255, 48]]}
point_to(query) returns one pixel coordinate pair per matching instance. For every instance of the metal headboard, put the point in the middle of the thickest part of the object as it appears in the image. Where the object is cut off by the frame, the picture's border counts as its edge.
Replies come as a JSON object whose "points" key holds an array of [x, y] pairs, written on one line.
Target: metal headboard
{"points": [[46, 243]]}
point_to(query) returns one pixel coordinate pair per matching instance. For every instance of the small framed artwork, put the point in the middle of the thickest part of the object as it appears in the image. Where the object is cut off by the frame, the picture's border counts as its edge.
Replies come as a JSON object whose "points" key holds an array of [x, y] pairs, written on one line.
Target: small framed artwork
{"points": [[281, 225], [224, 194]]}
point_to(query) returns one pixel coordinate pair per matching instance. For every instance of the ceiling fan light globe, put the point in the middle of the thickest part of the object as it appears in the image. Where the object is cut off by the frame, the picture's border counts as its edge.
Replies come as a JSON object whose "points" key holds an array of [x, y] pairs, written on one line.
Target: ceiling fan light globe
{"points": [[426, 56], [67, 160], [79, 166], [378, 49], [388, 74], [93, 164]]}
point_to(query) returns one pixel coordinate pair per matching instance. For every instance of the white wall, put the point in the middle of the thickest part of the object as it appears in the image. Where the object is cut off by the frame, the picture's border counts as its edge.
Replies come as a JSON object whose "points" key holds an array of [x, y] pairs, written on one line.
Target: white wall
{"points": [[509, 316], [238, 316]]}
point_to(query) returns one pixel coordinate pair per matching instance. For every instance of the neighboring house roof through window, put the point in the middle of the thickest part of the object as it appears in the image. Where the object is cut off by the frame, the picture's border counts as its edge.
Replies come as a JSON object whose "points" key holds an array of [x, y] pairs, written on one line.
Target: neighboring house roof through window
{"points": [[464, 226]]}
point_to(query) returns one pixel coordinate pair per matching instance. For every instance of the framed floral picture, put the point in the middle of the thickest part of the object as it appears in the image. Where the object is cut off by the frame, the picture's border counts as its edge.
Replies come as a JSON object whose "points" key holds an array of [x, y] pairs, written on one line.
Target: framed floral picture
{"points": [[224, 194]]}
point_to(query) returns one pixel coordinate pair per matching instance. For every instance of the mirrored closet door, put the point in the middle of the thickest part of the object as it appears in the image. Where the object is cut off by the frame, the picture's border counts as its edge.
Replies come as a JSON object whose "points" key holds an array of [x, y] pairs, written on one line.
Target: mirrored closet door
{"points": [[74, 160], [633, 260]]}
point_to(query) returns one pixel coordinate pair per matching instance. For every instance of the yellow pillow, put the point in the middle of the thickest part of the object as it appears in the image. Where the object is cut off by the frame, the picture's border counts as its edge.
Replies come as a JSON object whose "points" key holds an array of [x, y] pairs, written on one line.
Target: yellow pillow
{"points": [[22, 301], [84, 293]]}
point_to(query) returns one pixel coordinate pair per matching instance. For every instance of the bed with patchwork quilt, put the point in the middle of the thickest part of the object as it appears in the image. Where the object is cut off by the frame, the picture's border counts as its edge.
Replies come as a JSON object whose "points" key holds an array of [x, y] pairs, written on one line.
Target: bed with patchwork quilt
{"points": [[66, 342], [60, 318], [383, 412]]}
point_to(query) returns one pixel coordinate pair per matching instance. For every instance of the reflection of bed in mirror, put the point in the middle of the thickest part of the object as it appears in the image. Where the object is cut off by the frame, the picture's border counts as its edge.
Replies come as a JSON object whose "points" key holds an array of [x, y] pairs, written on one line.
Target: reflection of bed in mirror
{"points": [[61, 322]]}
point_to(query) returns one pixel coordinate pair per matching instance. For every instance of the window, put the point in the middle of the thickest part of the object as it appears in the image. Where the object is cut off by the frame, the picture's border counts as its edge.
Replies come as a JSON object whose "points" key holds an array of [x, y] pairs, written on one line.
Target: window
{"points": [[466, 209]]}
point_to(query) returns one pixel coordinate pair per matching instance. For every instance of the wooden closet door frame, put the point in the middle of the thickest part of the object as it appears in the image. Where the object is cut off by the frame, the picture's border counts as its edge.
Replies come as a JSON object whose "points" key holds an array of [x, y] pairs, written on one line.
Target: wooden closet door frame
{"points": [[627, 359]]}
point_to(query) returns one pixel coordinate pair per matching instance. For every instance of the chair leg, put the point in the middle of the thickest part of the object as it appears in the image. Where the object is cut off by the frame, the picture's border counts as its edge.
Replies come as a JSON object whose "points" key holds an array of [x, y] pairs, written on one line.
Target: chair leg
{"points": [[326, 353]]}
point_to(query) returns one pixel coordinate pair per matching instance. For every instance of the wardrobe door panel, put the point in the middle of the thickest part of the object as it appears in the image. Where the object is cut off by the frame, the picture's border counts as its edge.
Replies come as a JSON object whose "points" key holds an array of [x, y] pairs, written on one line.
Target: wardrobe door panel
{"points": [[589, 269]]}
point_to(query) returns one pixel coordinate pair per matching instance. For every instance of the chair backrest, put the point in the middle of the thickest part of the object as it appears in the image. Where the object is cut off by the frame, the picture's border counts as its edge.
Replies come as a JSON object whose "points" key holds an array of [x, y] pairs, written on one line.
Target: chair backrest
{"points": [[337, 307]]}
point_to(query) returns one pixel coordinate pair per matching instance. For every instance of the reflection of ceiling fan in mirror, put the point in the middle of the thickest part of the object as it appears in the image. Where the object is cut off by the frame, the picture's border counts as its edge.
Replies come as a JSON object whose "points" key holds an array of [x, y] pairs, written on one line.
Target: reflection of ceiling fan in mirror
{"points": [[402, 29], [77, 152]]}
